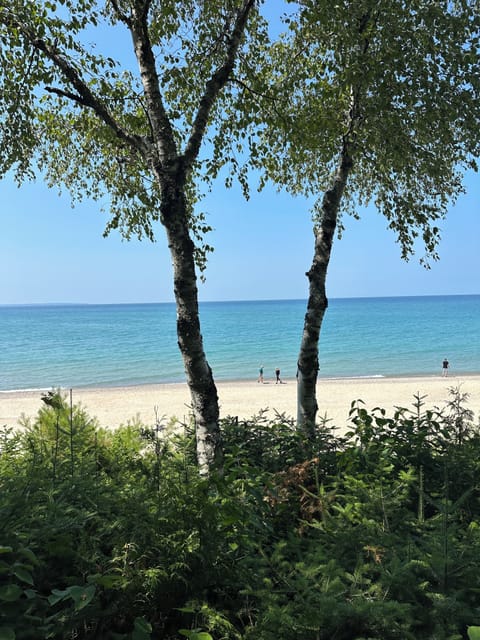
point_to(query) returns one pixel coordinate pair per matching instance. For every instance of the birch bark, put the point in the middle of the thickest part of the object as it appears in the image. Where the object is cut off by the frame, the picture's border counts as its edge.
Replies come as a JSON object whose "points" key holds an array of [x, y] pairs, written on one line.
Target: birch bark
{"points": [[202, 387], [171, 170], [307, 366]]}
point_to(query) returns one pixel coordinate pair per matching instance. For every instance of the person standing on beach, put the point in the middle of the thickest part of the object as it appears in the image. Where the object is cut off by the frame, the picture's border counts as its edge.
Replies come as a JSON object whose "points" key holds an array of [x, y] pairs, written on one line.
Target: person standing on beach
{"points": [[260, 374], [277, 376], [445, 366]]}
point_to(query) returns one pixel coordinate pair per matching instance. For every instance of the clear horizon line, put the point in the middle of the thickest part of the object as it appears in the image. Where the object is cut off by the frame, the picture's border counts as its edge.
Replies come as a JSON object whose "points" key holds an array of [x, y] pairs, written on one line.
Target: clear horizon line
{"points": [[364, 297]]}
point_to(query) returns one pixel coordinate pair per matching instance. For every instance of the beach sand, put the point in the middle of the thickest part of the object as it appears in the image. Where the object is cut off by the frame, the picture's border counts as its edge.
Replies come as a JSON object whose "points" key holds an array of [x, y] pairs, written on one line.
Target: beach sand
{"points": [[117, 405]]}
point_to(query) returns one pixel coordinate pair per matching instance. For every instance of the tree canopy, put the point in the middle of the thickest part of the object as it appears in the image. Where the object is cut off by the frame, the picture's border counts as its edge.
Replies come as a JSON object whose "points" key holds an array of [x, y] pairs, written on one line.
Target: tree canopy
{"points": [[75, 109], [412, 68]]}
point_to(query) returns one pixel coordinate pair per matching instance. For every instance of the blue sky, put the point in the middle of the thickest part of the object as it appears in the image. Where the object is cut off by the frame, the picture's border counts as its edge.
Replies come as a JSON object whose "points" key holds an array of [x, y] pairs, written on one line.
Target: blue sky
{"points": [[50, 252]]}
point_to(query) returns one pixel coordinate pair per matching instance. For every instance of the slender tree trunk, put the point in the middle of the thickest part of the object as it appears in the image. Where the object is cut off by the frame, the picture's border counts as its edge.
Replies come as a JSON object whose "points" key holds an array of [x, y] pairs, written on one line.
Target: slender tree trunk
{"points": [[307, 366], [199, 374]]}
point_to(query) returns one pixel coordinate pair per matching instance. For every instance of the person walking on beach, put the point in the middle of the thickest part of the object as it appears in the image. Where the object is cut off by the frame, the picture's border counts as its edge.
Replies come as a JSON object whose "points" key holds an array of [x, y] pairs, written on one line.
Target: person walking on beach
{"points": [[277, 376], [445, 366], [260, 374]]}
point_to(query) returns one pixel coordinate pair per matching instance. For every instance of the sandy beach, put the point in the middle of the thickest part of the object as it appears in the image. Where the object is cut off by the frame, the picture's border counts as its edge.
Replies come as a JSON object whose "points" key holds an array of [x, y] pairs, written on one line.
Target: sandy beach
{"points": [[117, 405]]}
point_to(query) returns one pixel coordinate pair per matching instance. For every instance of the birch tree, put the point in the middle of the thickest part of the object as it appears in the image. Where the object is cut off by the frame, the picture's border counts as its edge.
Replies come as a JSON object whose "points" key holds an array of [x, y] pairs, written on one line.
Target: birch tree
{"points": [[368, 101], [130, 128]]}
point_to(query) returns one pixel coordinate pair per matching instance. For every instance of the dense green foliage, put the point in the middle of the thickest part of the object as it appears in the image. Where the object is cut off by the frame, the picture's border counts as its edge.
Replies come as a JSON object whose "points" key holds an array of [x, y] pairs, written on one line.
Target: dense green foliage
{"points": [[113, 534]]}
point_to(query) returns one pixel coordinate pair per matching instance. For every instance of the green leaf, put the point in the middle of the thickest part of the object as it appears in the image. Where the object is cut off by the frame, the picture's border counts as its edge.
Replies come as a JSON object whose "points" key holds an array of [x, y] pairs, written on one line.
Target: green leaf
{"points": [[82, 596], [23, 574], [108, 581], [141, 629], [56, 596], [10, 593], [473, 633], [29, 555], [5, 549]]}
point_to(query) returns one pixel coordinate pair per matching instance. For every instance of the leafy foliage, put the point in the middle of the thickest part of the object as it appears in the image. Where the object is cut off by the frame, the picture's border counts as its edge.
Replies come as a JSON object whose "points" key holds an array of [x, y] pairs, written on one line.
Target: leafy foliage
{"points": [[113, 534], [81, 117], [398, 83]]}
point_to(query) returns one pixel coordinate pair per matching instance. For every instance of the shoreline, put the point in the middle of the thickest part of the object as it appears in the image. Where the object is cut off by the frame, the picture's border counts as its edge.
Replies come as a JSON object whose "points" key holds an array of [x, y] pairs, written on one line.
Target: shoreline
{"points": [[113, 406], [231, 381]]}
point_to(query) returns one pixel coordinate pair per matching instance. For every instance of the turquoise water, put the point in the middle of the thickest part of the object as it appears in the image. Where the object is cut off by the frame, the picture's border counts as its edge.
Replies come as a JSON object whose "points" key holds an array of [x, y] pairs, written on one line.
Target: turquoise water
{"points": [[107, 345]]}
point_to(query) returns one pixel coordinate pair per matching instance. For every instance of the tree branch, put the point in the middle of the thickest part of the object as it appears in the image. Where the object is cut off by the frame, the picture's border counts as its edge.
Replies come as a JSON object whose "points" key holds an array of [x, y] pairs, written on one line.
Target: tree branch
{"points": [[215, 85], [146, 8], [254, 92], [119, 13], [84, 95], [161, 127], [67, 94]]}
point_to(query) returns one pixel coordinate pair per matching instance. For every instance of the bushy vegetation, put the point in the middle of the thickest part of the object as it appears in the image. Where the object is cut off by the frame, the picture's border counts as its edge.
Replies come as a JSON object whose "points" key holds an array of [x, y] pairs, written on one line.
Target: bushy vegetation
{"points": [[374, 534]]}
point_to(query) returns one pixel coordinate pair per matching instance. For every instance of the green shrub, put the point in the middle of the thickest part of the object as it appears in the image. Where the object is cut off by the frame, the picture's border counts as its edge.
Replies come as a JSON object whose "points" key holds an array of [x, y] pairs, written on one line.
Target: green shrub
{"points": [[114, 534]]}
